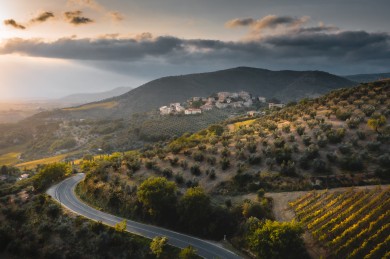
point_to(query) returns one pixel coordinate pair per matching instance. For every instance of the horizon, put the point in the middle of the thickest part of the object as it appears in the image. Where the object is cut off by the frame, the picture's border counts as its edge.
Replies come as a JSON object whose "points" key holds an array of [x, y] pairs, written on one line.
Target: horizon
{"points": [[52, 49]]}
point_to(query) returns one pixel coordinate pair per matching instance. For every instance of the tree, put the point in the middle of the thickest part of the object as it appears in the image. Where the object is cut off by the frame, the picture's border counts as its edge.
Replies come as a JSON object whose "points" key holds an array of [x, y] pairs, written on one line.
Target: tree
{"points": [[50, 173], [376, 122], [188, 253], [121, 226], [157, 245], [158, 195], [272, 239], [194, 210]]}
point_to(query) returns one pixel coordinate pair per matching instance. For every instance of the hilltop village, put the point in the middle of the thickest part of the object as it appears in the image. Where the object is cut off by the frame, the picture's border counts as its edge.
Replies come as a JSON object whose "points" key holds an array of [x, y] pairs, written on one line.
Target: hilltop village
{"points": [[220, 100]]}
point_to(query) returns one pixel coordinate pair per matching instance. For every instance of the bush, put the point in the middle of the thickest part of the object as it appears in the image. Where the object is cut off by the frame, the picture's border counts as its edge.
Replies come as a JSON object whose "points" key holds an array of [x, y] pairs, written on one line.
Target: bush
{"points": [[342, 114], [195, 169], [254, 159], [351, 163], [251, 146], [198, 156], [272, 239], [300, 130], [374, 146], [167, 172], [225, 163], [319, 166], [306, 140], [188, 253]]}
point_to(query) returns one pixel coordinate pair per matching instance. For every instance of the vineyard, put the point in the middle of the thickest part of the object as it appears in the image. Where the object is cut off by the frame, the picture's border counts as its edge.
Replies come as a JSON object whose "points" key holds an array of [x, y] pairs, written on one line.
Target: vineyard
{"points": [[350, 224]]}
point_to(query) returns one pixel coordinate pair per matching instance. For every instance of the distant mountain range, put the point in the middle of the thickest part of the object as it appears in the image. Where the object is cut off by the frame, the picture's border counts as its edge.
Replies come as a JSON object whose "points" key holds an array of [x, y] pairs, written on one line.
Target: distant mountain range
{"points": [[83, 98], [285, 85], [364, 78]]}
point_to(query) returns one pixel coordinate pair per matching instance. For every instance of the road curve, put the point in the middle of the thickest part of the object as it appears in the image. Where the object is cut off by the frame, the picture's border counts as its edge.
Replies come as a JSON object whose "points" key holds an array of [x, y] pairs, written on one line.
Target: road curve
{"points": [[64, 193]]}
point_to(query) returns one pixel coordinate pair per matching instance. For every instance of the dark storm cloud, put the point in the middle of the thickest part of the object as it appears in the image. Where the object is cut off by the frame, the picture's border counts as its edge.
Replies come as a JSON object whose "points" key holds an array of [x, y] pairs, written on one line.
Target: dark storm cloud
{"points": [[360, 44], [321, 47], [42, 17], [75, 18], [13, 23]]}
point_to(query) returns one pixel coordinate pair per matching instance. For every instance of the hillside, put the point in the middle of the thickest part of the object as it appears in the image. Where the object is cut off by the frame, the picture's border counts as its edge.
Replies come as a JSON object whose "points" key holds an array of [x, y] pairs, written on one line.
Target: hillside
{"points": [[365, 78], [340, 139], [284, 85], [82, 98]]}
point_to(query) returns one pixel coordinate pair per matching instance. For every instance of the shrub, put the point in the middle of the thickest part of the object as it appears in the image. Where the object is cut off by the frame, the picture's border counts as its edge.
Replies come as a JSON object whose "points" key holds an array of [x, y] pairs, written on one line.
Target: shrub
{"points": [[331, 157], [351, 163], [251, 146], [342, 114], [335, 136], [384, 160], [254, 159], [374, 146], [195, 169], [300, 130], [198, 156], [225, 163], [361, 134], [345, 149], [288, 168], [179, 178], [319, 166], [211, 160], [306, 140], [286, 128], [167, 172]]}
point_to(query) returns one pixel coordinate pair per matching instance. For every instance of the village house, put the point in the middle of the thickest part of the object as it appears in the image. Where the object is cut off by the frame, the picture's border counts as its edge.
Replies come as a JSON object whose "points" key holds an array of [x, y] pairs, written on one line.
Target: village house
{"points": [[165, 110], [262, 99], [23, 176], [206, 107], [222, 96]]}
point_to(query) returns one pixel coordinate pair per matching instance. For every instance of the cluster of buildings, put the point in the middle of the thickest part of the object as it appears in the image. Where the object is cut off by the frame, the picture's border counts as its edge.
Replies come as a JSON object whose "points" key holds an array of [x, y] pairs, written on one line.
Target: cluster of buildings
{"points": [[221, 100]]}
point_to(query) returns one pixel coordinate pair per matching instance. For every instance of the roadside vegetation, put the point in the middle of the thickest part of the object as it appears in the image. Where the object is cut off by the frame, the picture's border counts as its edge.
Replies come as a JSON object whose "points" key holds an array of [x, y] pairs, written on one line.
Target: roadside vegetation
{"points": [[32, 225]]}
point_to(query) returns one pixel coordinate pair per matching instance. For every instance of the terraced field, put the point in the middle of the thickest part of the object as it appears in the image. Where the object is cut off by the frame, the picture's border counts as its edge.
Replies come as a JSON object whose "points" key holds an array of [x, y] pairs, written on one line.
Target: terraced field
{"points": [[349, 224]]}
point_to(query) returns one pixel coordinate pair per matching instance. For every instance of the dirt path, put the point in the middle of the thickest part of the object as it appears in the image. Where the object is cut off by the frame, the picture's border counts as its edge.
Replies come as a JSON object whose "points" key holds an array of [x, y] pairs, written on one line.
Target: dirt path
{"points": [[283, 212]]}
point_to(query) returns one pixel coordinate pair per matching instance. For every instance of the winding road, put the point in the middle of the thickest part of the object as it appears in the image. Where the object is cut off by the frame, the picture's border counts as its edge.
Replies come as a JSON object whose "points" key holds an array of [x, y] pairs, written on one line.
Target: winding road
{"points": [[64, 193]]}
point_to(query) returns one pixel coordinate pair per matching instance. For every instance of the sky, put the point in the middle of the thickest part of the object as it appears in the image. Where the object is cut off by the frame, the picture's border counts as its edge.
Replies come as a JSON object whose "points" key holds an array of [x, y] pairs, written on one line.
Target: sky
{"points": [[52, 48]]}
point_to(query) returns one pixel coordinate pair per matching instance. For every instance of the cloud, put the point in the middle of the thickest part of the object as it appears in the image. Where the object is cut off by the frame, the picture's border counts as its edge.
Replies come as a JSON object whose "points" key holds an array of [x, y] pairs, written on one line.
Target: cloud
{"points": [[116, 16], [13, 23], [320, 47], [75, 18], [267, 22], [42, 17], [93, 5], [239, 22]]}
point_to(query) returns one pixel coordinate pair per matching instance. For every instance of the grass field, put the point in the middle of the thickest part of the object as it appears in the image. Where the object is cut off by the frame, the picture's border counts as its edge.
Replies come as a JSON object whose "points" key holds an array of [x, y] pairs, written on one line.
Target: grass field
{"points": [[106, 105], [243, 123], [10, 156], [48, 160]]}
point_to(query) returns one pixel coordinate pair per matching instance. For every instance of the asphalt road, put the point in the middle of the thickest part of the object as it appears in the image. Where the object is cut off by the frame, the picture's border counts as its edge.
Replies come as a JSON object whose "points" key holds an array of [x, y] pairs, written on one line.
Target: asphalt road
{"points": [[64, 193]]}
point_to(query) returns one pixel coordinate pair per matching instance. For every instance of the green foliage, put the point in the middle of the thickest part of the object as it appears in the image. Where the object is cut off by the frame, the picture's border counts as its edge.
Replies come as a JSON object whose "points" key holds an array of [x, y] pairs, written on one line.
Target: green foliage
{"points": [[272, 239], [188, 253], [121, 226], [194, 211], [376, 122], [158, 195], [158, 245], [49, 174]]}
